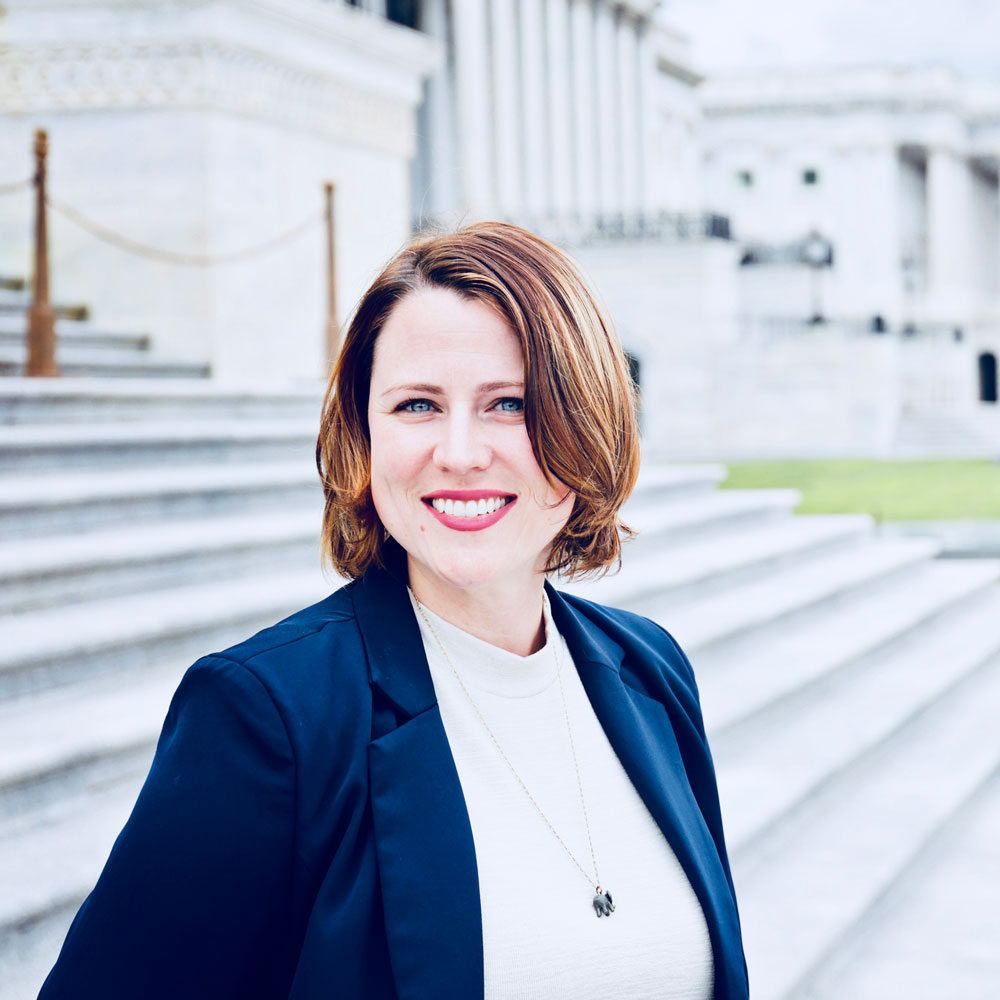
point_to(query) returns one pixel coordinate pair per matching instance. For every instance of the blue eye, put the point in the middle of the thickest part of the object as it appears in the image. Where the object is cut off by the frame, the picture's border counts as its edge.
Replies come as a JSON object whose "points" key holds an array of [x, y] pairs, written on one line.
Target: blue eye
{"points": [[415, 406], [510, 404]]}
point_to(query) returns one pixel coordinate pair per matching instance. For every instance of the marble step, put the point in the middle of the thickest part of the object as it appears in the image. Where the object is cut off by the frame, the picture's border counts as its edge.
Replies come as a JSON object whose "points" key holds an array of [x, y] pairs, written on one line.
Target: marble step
{"points": [[762, 676], [47, 868], [67, 569], [677, 570], [706, 513], [898, 948], [27, 448], [28, 951], [657, 483], [15, 302], [69, 401], [13, 330], [822, 872], [75, 362], [817, 584], [769, 770], [33, 505], [71, 740], [43, 649]]}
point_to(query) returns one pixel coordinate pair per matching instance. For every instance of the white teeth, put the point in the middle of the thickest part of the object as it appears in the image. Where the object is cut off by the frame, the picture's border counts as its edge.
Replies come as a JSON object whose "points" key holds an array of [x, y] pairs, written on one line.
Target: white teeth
{"points": [[470, 508]]}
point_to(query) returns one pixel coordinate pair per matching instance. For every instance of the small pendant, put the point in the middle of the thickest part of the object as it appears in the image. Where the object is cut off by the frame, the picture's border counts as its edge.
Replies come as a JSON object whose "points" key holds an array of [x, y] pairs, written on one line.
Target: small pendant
{"points": [[603, 906]]}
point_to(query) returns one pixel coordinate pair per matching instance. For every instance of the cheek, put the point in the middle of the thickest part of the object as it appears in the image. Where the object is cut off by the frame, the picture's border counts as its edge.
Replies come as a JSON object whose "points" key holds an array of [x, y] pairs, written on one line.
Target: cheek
{"points": [[393, 466], [563, 500], [555, 504]]}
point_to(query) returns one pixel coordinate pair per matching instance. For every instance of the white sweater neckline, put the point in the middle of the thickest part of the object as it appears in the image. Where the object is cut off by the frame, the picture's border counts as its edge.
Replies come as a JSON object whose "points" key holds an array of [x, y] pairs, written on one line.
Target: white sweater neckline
{"points": [[486, 667]]}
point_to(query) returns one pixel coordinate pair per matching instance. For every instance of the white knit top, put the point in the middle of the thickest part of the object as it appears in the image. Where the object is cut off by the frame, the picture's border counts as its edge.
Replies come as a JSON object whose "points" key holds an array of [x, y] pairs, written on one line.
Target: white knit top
{"points": [[541, 936]]}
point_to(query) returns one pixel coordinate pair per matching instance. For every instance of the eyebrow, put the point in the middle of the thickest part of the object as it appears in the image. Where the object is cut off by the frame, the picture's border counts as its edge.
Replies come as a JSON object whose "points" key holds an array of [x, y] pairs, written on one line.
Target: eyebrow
{"points": [[436, 390]]}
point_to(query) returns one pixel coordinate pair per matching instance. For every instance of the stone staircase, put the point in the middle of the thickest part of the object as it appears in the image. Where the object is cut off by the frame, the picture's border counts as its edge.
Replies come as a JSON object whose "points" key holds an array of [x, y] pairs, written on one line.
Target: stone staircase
{"points": [[972, 435], [850, 683], [81, 347], [851, 690], [142, 523]]}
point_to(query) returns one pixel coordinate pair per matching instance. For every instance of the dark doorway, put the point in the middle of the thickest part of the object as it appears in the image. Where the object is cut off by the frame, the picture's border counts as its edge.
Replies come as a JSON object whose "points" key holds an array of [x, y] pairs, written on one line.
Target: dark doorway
{"points": [[988, 377], [635, 370]]}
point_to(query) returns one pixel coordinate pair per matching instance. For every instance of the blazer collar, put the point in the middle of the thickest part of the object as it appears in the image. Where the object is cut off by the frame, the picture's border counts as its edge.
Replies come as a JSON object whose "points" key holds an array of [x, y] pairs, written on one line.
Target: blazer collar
{"points": [[426, 854]]}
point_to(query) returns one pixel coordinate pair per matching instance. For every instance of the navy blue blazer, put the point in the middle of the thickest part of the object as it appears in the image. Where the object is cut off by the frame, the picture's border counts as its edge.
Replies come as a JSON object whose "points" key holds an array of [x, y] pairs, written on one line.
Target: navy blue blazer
{"points": [[302, 832]]}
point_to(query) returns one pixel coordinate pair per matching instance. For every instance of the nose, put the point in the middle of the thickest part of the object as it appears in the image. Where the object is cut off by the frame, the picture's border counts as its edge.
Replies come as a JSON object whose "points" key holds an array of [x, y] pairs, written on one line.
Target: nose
{"points": [[462, 446]]}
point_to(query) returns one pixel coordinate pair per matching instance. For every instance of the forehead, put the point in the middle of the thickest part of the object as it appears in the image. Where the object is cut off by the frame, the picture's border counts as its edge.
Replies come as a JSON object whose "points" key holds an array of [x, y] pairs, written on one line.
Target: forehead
{"points": [[437, 329]]}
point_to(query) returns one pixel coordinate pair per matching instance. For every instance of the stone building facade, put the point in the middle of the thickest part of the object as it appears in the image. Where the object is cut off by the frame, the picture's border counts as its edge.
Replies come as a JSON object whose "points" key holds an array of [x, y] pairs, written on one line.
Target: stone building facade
{"points": [[897, 171], [558, 114], [204, 126], [201, 127]]}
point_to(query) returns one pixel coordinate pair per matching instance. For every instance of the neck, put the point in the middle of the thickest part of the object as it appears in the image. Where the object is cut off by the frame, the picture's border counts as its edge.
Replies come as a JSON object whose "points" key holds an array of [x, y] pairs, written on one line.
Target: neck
{"points": [[508, 617]]}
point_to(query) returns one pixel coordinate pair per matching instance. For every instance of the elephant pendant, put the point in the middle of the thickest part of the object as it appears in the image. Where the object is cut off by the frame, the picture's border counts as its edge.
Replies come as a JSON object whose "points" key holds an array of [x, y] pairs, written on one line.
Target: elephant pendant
{"points": [[603, 906]]}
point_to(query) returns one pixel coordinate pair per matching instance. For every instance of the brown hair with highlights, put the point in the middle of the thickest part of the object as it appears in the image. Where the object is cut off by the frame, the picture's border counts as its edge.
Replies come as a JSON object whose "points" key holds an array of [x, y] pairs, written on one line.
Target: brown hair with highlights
{"points": [[579, 404]]}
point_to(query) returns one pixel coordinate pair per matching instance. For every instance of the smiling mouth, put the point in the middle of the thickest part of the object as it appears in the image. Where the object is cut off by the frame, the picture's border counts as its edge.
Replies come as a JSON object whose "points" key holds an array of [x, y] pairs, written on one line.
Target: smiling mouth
{"points": [[482, 507]]}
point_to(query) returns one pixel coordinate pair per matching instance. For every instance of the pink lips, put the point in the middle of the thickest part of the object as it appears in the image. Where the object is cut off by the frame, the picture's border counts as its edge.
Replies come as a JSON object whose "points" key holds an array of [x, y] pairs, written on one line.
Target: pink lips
{"points": [[477, 523]]}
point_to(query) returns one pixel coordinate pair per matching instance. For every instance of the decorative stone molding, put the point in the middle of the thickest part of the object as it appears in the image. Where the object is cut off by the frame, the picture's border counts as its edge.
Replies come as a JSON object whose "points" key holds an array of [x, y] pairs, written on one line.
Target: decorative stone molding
{"points": [[205, 75]]}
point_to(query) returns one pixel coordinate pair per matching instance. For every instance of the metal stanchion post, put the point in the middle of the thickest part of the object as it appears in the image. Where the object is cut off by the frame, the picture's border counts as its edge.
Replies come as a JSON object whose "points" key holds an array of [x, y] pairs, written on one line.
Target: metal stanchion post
{"points": [[41, 336]]}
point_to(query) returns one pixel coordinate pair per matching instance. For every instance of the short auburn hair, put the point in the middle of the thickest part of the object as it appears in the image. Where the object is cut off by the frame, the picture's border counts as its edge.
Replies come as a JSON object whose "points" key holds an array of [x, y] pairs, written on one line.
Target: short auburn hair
{"points": [[579, 397]]}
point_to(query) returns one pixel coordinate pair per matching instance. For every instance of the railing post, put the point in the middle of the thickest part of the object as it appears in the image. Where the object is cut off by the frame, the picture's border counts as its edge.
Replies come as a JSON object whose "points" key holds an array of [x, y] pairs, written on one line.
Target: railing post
{"points": [[41, 339], [332, 326]]}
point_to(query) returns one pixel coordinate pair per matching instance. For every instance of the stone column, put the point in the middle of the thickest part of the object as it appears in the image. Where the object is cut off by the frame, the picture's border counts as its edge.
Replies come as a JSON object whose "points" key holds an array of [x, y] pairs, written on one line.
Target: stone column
{"points": [[560, 111], [437, 180], [948, 234], [649, 112], [584, 110], [534, 110], [609, 138], [880, 252], [626, 39], [993, 262], [473, 107], [506, 107]]}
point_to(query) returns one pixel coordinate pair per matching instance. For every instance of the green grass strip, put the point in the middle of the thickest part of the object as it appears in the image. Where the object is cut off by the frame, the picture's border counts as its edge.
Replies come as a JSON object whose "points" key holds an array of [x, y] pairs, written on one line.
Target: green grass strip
{"points": [[888, 490]]}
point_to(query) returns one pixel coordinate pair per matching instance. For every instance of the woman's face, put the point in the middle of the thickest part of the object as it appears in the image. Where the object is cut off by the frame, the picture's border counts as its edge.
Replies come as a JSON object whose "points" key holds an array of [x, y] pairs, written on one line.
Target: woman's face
{"points": [[454, 477]]}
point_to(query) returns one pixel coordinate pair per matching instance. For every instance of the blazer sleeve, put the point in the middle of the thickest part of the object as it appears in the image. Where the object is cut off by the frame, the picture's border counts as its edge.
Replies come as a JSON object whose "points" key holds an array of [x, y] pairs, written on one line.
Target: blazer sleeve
{"points": [[194, 899]]}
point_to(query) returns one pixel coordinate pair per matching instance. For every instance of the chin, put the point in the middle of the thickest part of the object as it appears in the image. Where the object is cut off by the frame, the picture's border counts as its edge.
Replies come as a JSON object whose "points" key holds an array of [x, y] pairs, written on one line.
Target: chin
{"points": [[468, 573]]}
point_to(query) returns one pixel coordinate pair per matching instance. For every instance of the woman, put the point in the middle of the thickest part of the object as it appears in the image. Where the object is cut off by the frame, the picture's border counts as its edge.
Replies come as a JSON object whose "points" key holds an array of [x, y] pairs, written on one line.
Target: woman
{"points": [[418, 787]]}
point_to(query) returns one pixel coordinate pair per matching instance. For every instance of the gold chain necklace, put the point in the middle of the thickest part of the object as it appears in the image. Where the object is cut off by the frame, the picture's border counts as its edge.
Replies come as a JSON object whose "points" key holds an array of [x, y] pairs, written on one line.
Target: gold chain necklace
{"points": [[602, 902]]}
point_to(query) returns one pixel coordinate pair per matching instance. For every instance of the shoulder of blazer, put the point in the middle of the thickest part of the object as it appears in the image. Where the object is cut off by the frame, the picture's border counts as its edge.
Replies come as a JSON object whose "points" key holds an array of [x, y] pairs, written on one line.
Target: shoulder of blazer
{"points": [[301, 626], [313, 669], [654, 662], [305, 654]]}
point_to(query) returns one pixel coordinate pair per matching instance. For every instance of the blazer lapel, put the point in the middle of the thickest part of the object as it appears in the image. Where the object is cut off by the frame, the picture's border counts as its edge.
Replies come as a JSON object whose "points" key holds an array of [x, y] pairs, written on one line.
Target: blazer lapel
{"points": [[423, 838], [639, 729]]}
